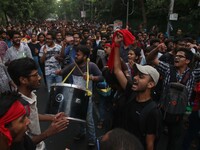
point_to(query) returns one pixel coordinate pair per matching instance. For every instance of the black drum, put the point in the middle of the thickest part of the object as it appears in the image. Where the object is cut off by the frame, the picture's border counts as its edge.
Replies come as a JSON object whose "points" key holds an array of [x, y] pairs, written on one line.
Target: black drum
{"points": [[70, 99]]}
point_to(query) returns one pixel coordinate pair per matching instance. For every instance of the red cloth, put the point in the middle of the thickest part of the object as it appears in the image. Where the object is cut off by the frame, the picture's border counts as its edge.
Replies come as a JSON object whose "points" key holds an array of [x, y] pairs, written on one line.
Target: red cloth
{"points": [[108, 45], [128, 40], [15, 111]]}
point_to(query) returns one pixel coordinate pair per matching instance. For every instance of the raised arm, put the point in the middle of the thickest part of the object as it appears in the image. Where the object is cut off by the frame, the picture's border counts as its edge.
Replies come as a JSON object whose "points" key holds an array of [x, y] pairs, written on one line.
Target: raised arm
{"points": [[117, 63], [152, 57]]}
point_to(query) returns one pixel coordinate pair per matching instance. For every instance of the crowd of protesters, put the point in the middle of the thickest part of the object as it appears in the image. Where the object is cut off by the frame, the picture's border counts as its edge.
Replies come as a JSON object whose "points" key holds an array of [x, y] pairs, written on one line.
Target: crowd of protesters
{"points": [[129, 72]]}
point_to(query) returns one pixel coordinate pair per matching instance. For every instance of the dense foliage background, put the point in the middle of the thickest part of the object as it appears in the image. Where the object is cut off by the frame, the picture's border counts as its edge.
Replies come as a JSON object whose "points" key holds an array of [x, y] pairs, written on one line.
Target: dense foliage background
{"points": [[146, 12]]}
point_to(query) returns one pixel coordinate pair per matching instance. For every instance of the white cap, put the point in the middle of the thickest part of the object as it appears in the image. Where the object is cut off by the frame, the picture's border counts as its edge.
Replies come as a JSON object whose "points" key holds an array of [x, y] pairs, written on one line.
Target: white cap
{"points": [[149, 70]]}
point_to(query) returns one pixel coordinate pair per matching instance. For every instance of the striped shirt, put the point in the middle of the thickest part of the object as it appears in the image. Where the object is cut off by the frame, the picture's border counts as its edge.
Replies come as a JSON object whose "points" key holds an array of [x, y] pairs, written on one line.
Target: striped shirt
{"points": [[164, 70]]}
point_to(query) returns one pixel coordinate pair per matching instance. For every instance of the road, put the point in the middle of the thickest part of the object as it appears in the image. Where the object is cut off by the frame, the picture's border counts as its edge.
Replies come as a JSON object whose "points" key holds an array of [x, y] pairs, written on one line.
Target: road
{"points": [[64, 140]]}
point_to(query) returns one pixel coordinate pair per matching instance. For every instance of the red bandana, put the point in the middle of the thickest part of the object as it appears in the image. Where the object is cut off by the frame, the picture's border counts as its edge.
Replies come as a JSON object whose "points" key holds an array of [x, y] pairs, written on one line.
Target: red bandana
{"points": [[108, 45], [128, 40], [15, 111]]}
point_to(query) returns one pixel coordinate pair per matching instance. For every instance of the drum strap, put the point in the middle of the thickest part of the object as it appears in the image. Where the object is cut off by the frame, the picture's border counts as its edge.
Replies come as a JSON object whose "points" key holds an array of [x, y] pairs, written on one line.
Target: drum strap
{"points": [[88, 92], [68, 75]]}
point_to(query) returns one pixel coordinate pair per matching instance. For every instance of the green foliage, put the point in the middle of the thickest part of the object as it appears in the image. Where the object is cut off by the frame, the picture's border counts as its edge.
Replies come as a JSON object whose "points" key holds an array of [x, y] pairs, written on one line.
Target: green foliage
{"points": [[100, 10], [23, 10]]}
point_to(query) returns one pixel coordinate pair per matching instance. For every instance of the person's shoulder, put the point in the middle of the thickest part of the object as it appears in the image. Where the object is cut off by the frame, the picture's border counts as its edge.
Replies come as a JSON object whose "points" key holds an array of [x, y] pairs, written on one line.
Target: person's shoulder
{"points": [[3, 43], [10, 49], [155, 109], [58, 46], [4, 142]]}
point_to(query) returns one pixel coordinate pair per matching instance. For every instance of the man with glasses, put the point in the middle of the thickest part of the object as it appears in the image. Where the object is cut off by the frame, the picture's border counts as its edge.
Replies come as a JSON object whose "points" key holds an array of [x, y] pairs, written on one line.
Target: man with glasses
{"points": [[17, 50], [182, 59], [25, 75]]}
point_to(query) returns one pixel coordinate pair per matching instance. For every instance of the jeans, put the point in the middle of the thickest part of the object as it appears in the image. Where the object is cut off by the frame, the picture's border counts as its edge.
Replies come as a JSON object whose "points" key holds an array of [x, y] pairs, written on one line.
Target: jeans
{"points": [[102, 107], [89, 123], [50, 79], [36, 59], [192, 131]]}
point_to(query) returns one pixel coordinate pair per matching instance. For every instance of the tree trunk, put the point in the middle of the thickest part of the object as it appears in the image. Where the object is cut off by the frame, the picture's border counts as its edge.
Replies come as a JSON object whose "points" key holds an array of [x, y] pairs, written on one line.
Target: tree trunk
{"points": [[143, 14], [6, 17]]}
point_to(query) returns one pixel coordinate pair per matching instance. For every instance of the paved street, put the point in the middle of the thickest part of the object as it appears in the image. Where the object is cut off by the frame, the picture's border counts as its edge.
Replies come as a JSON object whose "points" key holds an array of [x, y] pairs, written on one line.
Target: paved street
{"points": [[65, 138]]}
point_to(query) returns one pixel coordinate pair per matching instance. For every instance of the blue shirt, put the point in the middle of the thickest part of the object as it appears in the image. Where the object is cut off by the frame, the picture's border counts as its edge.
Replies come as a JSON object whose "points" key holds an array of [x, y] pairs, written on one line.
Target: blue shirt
{"points": [[70, 54]]}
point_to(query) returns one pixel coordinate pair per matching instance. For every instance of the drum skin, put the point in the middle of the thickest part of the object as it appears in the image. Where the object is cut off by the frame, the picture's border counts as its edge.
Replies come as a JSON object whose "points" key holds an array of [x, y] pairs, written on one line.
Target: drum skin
{"points": [[70, 99]]}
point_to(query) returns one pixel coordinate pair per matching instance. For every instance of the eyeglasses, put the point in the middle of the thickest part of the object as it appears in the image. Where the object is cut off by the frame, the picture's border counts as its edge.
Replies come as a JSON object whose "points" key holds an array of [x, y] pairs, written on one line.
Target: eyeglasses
{"points": [[180, 56]]}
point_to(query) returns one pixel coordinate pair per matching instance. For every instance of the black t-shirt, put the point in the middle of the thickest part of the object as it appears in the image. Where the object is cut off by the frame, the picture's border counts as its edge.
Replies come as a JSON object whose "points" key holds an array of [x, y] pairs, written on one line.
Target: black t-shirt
{"points": [[33, 47], [168, 58], [133, 110], [25, 144]]}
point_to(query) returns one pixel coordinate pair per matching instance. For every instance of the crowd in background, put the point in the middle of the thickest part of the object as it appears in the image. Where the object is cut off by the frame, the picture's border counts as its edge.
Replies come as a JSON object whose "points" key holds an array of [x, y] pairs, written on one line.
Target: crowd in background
{"points": [[61, 39]]}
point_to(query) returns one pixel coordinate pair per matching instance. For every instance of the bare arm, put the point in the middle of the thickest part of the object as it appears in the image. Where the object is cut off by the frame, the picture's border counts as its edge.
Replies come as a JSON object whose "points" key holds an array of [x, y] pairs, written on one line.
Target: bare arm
{"points": [[152, 57], [117, 65], [43, 58], [46, 117], [59, 124], [62, 54], [150, 138]]}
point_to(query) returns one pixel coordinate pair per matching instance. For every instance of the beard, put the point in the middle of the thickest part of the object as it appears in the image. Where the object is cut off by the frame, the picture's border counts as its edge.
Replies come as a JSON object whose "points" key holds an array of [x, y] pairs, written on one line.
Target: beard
{"points": [[79, 61]]}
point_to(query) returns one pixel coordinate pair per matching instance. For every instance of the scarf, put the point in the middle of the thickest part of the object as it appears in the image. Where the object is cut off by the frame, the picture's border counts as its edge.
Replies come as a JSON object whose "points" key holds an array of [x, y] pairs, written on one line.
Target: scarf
{"points": [[128, 40]]}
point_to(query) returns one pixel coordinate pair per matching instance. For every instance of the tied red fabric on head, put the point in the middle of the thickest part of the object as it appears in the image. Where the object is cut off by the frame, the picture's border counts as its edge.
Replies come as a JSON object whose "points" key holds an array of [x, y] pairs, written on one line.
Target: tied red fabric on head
{"points": [[16, 110], [128, 40], [108, 45]]}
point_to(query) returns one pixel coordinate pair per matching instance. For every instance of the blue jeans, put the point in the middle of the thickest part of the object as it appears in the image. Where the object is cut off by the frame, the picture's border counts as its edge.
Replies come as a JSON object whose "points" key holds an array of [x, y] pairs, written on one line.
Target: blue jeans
{"points": [[102, 106], [50, 79], [89, 123], [36, 59]]}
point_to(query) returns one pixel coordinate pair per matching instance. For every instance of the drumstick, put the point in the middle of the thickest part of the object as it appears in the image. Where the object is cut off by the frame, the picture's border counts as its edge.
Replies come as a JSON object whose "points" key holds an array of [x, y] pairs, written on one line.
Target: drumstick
{"points": [[77, 66]]}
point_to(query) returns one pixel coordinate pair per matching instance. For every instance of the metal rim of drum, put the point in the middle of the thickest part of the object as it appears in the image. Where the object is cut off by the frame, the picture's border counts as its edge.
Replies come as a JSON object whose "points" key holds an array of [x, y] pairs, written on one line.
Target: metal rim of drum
{"points": [[67, 85]]}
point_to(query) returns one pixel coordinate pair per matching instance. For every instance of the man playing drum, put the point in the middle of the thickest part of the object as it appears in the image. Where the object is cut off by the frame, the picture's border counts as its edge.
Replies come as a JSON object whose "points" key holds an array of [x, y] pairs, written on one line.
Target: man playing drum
{"points": [[79, 77]]}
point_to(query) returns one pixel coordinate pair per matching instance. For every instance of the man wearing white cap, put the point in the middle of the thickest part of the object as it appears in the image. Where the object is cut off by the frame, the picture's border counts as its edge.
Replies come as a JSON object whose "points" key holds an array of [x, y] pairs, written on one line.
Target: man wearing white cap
{"points": [[141, 116]]}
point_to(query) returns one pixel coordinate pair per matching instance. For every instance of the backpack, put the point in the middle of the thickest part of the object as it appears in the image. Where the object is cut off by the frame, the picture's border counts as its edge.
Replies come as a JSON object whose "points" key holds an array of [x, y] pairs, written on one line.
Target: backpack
{"points": [[174, 98], [103, 89], [143, 116]]}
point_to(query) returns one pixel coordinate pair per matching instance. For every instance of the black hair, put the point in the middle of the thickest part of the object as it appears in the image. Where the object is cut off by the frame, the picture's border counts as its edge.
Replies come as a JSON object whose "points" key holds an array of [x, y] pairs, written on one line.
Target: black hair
{"points": [[6, 101], [152, 41], [13, 33], [21, 67], [85, 30], [84, 50], [137, 50], [168, 41], [77, 34], [119, 139], [178, 40], [58, 32], [2, 31], [152, 34], [188, 53], [41, 34], [52, 35]]}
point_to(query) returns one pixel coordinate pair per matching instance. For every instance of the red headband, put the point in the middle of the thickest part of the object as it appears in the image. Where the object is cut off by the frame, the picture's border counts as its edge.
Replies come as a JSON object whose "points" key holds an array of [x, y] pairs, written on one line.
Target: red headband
{"points": [[108, 45], [15, 111]]}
